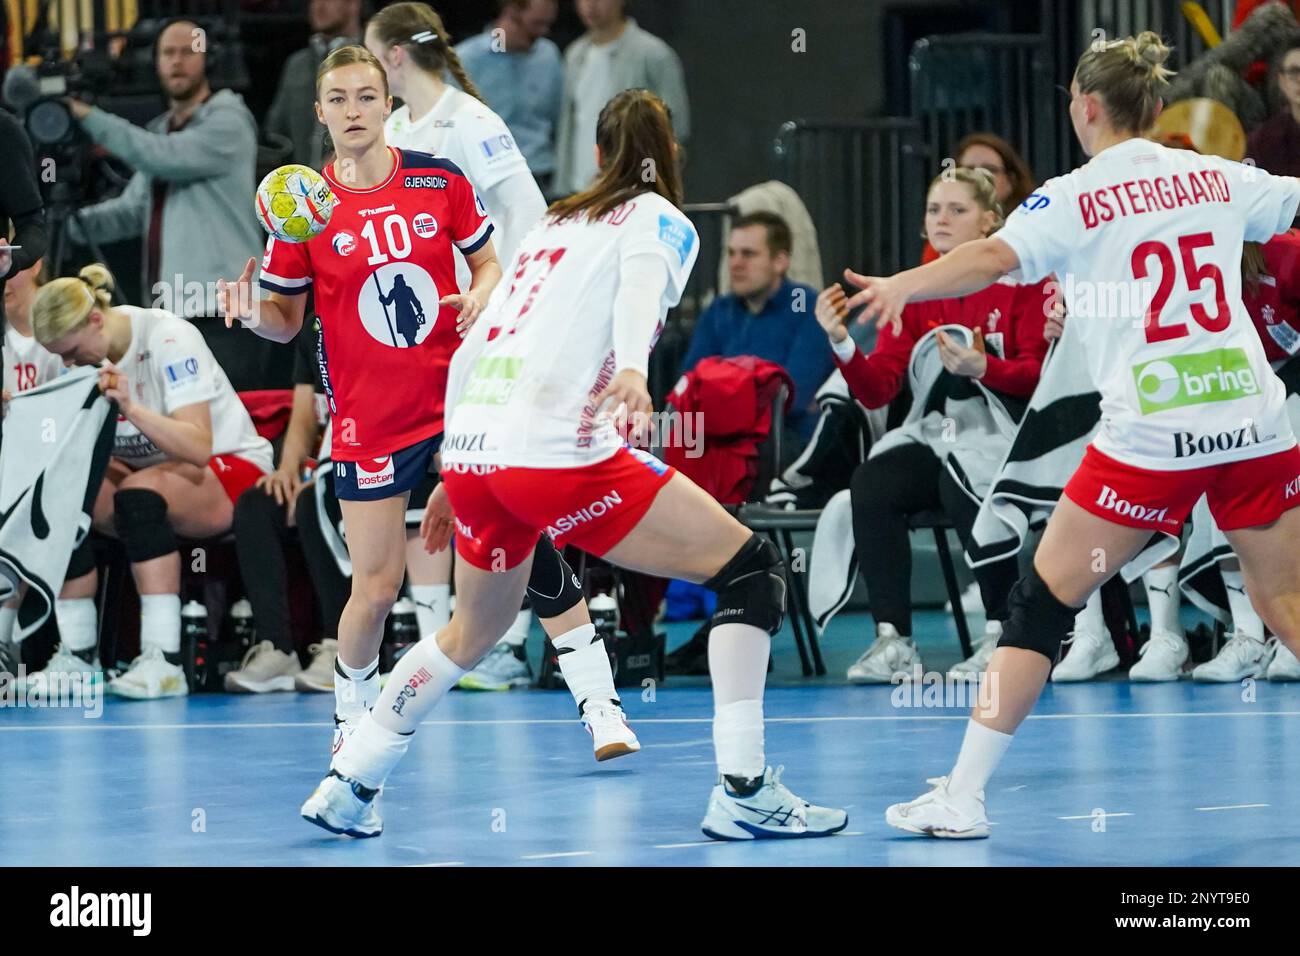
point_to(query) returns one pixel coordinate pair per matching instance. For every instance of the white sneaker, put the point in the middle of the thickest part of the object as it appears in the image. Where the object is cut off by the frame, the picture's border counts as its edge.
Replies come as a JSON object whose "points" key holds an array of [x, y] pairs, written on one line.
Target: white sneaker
{"points": [[1285, 667], [971, 601], [889, 654], [505, 666], [610, 734], [264, 669], [978, 662], [150, 677], [64, 676], [1090, 654], [771, 812], [318, 676], [341, 805], [941, 813], [1161, 658], [1240, 657]]}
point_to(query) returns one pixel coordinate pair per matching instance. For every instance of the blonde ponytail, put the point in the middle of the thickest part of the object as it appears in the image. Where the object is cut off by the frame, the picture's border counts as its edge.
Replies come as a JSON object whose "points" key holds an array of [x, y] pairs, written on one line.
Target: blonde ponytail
{"points": [[1129, 75], [61, 306]]}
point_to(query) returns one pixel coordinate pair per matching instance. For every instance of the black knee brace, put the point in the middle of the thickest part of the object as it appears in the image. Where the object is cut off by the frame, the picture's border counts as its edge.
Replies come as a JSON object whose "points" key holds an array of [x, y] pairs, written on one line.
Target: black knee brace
{"points": [[751, 587], [140, 516], [1036, 620], [82, 561], [553, 588]]}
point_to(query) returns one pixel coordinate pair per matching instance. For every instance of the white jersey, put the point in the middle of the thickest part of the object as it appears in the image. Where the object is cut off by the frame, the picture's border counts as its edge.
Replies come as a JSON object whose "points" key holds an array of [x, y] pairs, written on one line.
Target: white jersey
{"points": [[169, 366], [521, 389], [1146, 243], [27, 362], [463, 130]]}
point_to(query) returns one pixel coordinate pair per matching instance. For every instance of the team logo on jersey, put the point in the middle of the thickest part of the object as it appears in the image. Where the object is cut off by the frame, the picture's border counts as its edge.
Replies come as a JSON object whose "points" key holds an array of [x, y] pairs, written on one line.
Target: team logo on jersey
{"points": [[398, 304], [345, 243], [1268, 312], [375, 472], [425, 226], [1036, 201], [677, 235], [1220, 375], [496, 145], [178, 373]]}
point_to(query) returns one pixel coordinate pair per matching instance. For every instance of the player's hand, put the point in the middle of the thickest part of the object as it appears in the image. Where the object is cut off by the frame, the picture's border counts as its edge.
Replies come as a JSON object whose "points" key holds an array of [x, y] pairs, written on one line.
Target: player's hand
{"points": [[469, 307], [956, 358], [628, 399], [883, 300], [235, 299], [1054, 328], [831, 311], [5, 399], [6, 260], [438, 523], [281, 484], [77, 108], [116, 386]]}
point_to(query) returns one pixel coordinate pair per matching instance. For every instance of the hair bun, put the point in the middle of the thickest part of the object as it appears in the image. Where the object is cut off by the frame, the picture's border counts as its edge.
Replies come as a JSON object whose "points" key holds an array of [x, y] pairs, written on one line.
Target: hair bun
{"points": [[1150, 49]]}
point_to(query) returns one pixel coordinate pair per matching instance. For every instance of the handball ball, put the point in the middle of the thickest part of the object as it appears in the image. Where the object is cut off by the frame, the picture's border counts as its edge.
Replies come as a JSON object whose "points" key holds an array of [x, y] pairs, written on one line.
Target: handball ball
{"points": [[294, 203]]}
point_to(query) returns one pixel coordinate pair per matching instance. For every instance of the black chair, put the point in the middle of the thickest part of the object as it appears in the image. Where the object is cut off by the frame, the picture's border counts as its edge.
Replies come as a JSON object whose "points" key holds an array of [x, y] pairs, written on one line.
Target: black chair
{"points": [[938, 522]]}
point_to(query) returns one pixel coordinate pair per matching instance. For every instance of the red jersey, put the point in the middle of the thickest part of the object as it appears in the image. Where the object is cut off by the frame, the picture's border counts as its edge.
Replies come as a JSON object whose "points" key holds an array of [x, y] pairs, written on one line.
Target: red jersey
{"points": [[1010, 315], [1274, 306], [379, 269]]}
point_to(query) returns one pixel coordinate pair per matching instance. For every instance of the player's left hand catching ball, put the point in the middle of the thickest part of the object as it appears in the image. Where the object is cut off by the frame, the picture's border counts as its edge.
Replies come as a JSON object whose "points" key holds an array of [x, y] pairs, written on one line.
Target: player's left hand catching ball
{"points": [[883, 298], [628, 398], [115, 385], [438, 523], [469, 307]]}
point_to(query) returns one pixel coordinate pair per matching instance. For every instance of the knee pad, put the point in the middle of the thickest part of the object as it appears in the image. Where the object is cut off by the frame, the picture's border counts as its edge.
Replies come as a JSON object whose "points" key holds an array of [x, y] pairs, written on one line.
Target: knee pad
{"points": [[751, 587], [82, 561], [1036, 619], [140, 516], [553, 588]]}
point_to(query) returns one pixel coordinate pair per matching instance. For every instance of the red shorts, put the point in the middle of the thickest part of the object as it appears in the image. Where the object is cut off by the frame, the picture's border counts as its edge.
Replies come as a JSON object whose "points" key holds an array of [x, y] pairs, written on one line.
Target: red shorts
{"points": [[236, 474], [501, 511], [1241, 494]]}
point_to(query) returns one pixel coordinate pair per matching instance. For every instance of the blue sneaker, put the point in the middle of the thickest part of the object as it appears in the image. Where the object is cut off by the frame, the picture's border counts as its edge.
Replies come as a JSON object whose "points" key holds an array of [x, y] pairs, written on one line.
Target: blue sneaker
{"points": [[770, 813], [342, 805]]}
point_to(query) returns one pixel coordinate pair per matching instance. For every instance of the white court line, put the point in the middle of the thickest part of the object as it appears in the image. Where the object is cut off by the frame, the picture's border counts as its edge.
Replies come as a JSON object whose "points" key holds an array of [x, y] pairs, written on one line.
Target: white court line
{"points": [[317, 725], [678, 846], [448, 863], [556, 856], [1238, 806], [1094, 816]]}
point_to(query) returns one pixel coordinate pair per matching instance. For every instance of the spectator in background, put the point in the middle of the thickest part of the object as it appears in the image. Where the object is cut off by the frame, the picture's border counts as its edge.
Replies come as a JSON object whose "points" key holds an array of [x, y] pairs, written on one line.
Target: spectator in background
{"points": [[613, 55], [190, 198], [519, 73], [1013, 178], [1274, 145], [334, 23], [768, 316]]}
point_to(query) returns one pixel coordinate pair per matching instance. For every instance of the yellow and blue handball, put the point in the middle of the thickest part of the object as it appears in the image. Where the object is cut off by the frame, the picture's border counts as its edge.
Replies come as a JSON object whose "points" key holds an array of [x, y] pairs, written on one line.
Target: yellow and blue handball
{"points": [[294, 203]]}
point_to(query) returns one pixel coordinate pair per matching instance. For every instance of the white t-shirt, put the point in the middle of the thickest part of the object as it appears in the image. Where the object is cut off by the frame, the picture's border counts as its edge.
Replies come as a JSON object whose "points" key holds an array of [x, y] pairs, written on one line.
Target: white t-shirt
{"points": [[1146, 242], [463, 130], [169, 366], [591, 92], [27, 362], [521, 387]]}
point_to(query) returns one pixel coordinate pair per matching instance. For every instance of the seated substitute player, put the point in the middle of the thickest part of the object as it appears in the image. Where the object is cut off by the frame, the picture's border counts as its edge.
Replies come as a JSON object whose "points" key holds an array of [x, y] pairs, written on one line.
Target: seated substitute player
{"points": [[1191, 365], [185, 450], [398, 216], [528, 450]]}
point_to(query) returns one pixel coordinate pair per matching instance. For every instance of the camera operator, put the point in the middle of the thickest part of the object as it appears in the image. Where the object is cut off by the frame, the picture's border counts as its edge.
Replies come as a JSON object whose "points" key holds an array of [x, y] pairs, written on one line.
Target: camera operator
{"points": [[190, 200]]}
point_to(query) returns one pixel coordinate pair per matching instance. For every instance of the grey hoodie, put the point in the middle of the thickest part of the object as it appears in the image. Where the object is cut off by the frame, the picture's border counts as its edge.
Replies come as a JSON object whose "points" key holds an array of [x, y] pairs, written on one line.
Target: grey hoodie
{"points": [[209, 230]]}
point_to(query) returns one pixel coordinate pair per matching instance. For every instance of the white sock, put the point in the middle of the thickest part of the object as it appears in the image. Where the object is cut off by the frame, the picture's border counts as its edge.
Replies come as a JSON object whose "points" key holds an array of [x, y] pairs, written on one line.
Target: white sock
{"points": [[738, 656], [371, 752], [1090, 619], [432, 606], [584, 662], [1244, 618], [1164, 598], [420, 679], [981, 752], [160, 622], [518, 632], [355, 688], [8, 617], [78, 623]]}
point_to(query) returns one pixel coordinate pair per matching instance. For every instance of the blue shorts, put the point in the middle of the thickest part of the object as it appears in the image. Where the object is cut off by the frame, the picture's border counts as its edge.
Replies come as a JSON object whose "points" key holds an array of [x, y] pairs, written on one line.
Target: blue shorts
{"points": [[378, 478]]}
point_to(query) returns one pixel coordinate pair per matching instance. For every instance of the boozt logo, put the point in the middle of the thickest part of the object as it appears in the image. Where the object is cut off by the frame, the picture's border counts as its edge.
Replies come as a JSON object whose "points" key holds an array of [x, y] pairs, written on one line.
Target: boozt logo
{"points": [[1292, 488], [466, 442], [1111, 501], [1221, 375], [1187, 444]]}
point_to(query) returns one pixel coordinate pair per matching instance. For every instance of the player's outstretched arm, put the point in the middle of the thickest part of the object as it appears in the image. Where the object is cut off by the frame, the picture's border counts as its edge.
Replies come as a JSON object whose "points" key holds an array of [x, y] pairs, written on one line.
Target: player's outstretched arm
{"points": [[968, 268], [278, 318]]}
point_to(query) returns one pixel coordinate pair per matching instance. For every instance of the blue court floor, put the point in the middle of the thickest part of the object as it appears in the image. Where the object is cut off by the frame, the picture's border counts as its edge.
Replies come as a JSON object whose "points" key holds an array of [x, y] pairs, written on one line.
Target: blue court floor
{"points": [[1103, 773]]}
